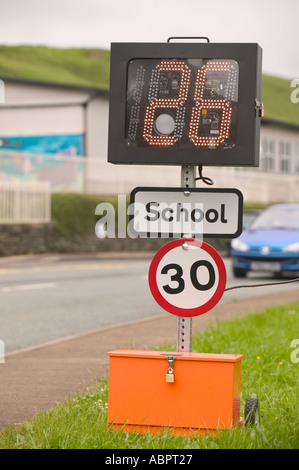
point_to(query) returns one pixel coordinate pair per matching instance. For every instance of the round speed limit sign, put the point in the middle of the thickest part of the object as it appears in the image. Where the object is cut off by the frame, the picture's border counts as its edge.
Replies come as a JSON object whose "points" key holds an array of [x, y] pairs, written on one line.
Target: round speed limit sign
{"points": [[187, 277]]}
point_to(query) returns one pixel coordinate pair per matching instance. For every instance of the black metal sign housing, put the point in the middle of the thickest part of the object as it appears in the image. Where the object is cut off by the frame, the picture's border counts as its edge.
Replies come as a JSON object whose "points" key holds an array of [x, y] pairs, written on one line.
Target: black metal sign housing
{"points": [[185, 103]]}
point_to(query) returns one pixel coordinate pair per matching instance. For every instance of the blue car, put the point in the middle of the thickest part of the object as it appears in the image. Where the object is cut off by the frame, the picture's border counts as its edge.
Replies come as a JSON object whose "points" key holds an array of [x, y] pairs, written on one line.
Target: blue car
{"points": [[270, 244]]}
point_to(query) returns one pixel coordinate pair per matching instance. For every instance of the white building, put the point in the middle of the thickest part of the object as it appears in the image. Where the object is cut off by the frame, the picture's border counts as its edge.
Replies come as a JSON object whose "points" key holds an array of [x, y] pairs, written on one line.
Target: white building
{"points": [[39, 121], [35, 114]]}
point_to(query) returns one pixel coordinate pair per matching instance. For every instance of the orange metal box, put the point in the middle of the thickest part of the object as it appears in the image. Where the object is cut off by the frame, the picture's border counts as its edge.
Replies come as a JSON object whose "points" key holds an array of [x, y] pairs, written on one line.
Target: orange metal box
{"points": [[205, 393]]}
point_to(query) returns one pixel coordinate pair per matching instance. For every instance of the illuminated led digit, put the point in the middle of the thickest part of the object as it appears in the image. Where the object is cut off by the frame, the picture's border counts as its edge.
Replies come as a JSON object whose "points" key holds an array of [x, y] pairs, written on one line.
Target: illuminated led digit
{"points": [[166, 103], [204, 107]]}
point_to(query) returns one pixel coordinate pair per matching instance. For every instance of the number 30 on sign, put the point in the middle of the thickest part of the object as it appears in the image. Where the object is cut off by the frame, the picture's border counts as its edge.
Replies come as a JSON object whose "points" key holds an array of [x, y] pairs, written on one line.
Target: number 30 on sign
{"points": [[187, 277]]}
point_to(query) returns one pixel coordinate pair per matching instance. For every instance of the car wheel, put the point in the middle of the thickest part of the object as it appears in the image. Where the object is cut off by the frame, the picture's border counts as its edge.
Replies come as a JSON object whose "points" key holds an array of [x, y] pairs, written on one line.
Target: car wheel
{"points": [[278, 275], [252, 412], [239, 272]]}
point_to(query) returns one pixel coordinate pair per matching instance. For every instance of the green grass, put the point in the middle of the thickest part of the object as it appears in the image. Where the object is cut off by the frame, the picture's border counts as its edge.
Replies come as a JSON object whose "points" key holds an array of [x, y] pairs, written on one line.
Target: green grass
{"points": [[90, 67], [264, 338]]}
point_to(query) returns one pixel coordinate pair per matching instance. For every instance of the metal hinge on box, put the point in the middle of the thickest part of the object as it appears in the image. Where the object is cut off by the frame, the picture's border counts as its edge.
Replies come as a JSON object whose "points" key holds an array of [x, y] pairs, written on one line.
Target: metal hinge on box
{"points": [[170, 358]]}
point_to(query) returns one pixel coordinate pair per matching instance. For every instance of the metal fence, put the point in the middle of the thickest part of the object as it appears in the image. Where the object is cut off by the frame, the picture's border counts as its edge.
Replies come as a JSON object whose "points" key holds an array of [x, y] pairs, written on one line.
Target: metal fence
{"points": [[25, 202]]}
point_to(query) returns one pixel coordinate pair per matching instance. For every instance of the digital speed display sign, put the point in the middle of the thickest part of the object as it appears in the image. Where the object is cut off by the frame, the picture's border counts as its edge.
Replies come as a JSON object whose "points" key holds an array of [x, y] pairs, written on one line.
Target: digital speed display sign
{"points": [[185, 103]]}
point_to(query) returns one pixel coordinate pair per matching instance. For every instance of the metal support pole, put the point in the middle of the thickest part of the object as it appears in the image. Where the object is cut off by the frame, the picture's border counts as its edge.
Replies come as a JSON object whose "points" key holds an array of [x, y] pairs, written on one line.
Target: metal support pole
{"points": [[184, 324]]}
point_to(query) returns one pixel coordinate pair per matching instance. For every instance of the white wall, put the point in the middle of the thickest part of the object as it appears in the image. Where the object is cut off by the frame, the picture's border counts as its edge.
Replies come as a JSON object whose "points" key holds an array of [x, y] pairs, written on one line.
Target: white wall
{"points": [[17, 94], [33, 110], [41, 121], [257, 187], [40, 110], [96, 143]]}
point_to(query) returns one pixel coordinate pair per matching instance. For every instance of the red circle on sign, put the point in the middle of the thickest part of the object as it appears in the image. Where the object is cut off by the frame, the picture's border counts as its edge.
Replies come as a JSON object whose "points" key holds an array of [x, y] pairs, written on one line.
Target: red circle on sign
{"points": [[174, 309]]}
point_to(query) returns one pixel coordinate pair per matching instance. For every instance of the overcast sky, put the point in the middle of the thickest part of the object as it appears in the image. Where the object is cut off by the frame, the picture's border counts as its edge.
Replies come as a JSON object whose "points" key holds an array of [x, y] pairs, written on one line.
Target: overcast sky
{"points": [[274, 24]]}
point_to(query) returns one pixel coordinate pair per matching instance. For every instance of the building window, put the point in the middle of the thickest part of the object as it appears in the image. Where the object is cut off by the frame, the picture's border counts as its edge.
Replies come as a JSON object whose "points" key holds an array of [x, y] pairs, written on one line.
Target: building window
{"points": [[268, 155], [285, 157]]}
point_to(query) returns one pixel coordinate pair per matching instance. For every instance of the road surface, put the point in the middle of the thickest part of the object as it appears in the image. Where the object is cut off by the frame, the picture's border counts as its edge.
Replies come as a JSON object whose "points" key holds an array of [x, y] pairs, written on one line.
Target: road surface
{"points": [[49, 297]]}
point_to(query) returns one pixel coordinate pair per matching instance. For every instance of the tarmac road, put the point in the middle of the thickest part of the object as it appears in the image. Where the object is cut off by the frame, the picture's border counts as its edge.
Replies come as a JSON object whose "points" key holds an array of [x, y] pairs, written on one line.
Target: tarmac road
{"points": [[46, 298]]}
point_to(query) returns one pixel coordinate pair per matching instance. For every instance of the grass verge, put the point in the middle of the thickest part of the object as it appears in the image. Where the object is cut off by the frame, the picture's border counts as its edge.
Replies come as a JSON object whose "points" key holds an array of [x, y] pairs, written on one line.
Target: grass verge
{"points": [[269, 370]]}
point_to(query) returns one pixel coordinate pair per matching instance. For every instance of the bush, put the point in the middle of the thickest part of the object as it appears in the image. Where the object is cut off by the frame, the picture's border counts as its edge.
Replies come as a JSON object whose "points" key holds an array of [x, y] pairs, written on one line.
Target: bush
{"points": [[74, 214]]}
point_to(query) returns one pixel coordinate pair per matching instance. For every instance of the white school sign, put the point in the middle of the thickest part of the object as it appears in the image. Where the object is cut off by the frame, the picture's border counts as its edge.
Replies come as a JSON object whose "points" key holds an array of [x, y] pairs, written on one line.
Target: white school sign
{"points": [[177, 212]]}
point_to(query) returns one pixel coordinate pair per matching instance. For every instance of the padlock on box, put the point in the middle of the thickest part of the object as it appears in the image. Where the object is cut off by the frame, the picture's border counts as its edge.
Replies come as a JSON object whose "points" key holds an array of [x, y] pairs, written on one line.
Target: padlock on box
{"points": [[170, 372], [170, 376]]}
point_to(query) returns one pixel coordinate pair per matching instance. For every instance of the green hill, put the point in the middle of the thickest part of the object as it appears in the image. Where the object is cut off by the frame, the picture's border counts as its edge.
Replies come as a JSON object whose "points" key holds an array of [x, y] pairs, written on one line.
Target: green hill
{"points": [[85, 67], [276, 97], [90, 67]]}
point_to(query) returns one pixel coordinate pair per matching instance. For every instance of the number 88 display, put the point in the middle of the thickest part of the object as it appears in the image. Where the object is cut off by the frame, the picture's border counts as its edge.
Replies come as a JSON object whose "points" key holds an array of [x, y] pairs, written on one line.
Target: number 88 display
{"points": [[212, 94]]}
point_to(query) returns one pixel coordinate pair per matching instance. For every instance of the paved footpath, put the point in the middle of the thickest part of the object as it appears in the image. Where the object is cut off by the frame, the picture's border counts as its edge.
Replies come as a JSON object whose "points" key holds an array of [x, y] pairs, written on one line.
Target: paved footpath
{"points": [[34, 380]]}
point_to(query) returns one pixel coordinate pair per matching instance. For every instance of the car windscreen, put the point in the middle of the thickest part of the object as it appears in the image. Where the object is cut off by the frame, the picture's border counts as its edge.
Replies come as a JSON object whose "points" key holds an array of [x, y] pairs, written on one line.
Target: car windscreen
{"points": [[280, 218]]}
